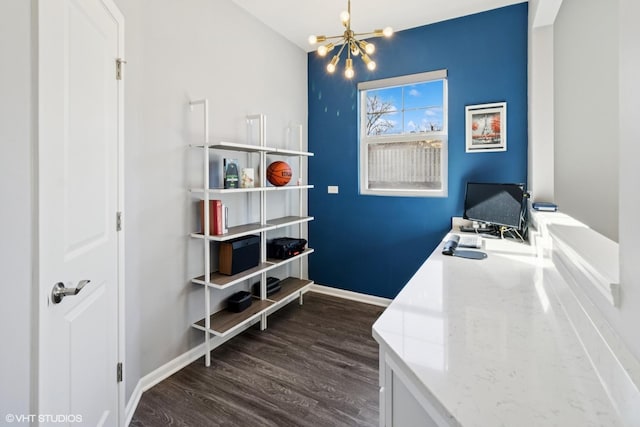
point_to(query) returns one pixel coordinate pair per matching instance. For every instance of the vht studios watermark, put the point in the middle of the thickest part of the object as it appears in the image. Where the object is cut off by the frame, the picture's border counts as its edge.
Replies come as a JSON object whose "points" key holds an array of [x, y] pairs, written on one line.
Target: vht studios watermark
{"points": [[43, 418]]}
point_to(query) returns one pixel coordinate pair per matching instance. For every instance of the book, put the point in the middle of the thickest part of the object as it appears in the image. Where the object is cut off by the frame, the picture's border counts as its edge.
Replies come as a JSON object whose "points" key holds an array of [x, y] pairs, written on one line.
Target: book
{"points": [[224, 227], [451, 246], [247, 179], [216, 227], [544, 206], [231, 174], [465, 240]]}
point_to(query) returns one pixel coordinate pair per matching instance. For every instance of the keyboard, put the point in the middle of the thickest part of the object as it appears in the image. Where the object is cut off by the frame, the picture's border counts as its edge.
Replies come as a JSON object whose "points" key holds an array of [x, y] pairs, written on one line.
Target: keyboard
{"points": [[467, 240]]}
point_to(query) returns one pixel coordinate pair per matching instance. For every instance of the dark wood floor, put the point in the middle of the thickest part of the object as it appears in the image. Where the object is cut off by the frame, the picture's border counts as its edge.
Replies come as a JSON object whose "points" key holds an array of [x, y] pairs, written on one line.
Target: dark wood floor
{"points": [[315, 365]]}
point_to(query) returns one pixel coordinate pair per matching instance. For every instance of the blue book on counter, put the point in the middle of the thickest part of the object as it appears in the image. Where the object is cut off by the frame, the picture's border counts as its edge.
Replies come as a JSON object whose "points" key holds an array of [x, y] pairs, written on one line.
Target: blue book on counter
{"points": [[545, 206]]}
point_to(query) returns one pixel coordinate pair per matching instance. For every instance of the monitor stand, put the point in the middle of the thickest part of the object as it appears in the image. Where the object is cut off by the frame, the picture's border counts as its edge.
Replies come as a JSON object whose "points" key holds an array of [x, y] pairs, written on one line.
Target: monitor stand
{"points": [[482, 228], [513, 233], [494, 231]]}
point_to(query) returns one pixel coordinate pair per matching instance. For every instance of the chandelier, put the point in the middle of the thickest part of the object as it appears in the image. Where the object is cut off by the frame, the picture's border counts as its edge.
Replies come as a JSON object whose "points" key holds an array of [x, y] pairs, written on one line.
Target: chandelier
{"points": [[353, 44]]}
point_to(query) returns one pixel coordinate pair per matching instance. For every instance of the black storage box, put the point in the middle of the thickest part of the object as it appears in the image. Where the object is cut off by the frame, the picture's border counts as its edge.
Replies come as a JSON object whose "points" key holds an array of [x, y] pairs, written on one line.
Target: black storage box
{"points": [[285, 247], [239, 301], [239, 254], [273, 286]]}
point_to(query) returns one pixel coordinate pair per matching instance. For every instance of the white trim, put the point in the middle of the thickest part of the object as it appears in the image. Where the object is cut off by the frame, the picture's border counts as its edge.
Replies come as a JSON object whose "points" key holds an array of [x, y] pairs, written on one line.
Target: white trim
{"points": [[160, 374], [616, 367], [114, 10], [364, 141], [132, 404], [544, 12], [403, 80], [350, 295], [170, 368], [593, 259], [34, 141]]}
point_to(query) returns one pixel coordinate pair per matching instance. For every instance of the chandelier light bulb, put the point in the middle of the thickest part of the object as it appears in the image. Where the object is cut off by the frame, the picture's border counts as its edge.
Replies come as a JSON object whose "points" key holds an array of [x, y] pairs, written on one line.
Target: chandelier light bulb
{"points": [[354, 50], [324, 49], [331, 66], [369, 48], [316, 39], [348, 71], [344, 17], [387, 32], [371, 65]]}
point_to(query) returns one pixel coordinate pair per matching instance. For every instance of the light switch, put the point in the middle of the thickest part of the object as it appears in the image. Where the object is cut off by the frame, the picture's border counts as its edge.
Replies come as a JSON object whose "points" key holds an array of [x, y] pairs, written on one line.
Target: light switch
{"points": [[332, 189]]}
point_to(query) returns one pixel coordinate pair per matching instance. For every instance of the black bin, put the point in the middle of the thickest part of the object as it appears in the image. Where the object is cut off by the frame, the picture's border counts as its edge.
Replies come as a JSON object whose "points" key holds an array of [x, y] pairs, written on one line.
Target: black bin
{"points": [[239, 301]]}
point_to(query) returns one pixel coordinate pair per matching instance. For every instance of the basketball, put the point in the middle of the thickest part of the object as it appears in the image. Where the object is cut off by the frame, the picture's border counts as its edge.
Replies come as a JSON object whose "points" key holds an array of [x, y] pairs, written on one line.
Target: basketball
{"points": [[279, 173]]}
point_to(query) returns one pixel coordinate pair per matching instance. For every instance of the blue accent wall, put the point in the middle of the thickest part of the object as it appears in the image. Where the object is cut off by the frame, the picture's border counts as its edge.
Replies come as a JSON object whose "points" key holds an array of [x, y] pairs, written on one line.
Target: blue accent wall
{"points": [[374, 244]]}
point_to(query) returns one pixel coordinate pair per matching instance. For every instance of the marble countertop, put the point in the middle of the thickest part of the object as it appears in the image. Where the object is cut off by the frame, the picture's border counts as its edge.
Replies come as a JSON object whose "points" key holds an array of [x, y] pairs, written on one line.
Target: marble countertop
{"points": [[488, 343]]}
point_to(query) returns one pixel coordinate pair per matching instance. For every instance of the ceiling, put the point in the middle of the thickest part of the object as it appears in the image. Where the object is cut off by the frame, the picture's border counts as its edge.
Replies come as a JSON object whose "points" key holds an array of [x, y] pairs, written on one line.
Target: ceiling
{"points": [[297, 19]]}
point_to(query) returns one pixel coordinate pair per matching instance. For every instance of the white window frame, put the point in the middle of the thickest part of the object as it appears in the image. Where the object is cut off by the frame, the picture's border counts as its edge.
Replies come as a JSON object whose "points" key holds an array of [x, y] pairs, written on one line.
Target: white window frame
{"points": [[365, 140]]}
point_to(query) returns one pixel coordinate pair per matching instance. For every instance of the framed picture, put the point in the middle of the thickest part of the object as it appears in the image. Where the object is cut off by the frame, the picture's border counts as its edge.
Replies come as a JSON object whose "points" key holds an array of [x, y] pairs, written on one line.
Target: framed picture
{"points": [[486, 127]]}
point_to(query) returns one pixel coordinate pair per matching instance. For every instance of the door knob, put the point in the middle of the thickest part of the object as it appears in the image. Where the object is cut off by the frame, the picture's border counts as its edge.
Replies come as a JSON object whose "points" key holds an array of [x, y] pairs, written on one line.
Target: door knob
{"points": [[59, 291]]}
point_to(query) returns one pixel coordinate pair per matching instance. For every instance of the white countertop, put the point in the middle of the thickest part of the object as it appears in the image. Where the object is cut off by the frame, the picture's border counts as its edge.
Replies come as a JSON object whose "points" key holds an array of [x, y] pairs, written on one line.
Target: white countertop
{"points": [[488, 343]]}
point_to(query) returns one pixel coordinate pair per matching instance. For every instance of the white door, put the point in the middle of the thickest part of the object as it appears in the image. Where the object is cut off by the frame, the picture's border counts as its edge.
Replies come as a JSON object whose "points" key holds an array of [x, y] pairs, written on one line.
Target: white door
{"points": [[79, 195]]}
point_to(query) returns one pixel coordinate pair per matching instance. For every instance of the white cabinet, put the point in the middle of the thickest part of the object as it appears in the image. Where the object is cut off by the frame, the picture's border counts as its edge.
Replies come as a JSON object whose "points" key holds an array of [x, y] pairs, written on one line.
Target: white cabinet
{"points": [[223, 324], [402, 404]]}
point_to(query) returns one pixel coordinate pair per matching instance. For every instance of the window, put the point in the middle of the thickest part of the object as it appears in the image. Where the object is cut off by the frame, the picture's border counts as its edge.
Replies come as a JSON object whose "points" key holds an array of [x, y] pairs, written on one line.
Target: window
{"points": [[403, 135]]}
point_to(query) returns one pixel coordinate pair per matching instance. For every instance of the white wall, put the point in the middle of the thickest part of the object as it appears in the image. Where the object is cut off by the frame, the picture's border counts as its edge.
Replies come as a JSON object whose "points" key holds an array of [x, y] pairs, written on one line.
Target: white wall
{"points": [[540, 167], [628, 318], [540, 157], [177, 51], [583, 83], [15, 213], [586, 153]]}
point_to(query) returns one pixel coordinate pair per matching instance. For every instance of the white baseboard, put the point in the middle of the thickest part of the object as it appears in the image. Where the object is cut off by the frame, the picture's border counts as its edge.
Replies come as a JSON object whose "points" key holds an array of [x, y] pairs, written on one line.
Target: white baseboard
{"points": [[350, 295], [173, 366], [132, 404], [163, 372], [170, 368]]}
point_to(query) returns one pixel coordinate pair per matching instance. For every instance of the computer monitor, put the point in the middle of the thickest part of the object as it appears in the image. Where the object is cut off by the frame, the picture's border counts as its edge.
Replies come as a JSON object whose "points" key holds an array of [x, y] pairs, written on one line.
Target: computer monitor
{"points": [[495, 204]]}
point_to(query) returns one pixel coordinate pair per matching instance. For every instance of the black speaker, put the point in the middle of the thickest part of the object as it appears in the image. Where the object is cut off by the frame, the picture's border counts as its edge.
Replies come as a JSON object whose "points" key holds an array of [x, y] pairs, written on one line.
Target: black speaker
{"points": [[239, 254]]}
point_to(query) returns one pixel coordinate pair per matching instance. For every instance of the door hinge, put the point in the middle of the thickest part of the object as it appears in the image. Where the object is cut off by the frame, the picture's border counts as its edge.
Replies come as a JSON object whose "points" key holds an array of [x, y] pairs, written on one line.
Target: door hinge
{"points": [[118, 221], [119, 62], [119, 372]]}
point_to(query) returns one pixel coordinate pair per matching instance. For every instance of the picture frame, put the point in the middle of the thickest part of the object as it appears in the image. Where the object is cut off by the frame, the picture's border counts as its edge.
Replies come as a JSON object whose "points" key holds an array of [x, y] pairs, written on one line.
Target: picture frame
{"points": [[486, 127]]}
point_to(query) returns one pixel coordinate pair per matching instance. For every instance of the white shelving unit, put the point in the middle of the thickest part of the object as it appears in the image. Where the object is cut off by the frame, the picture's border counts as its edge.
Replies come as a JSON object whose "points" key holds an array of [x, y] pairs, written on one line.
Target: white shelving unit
{"points": [[223, 323]]}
